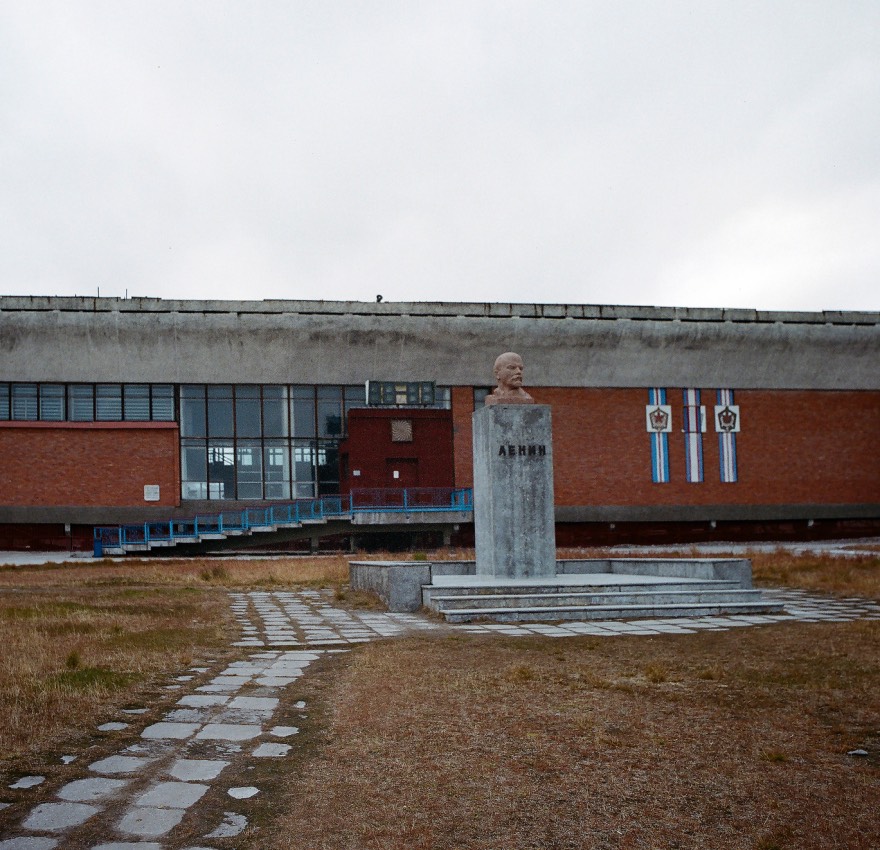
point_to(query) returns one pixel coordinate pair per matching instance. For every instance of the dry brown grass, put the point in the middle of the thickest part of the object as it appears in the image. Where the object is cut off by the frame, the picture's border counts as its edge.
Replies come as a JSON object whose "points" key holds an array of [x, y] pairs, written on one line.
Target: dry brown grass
{"points": [[842, 576], [733, 740], [80, 640], [197, 572], [73, 655]]}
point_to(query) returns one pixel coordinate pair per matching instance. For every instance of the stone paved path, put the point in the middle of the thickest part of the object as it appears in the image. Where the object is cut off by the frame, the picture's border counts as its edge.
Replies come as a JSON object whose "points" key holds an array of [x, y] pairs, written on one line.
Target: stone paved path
{"points": [[135, 798]]}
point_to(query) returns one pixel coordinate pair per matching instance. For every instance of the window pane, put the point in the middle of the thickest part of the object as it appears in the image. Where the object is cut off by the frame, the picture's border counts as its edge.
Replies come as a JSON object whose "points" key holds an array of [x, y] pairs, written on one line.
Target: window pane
{"points": [[80, 402], [221, 470], [274, 411], [52, 402], [108, 400], [247, 416], [192, 413], [24, 401], [137, 402], [194, 470], [219, 416], [249, 470], [329, 418], [276, 470], [163, 402], [4, 401], [328, 468], [302, 404], [303, 463]]}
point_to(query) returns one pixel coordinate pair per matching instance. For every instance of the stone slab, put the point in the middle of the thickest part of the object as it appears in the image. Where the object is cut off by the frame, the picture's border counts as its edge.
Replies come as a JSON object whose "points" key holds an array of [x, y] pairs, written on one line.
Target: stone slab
{"points": [[178, 731], [229, 732], [86, 790], [29, 842], [119, 764], [53, 817], [173, 795], [203, 770], [150, 822]]}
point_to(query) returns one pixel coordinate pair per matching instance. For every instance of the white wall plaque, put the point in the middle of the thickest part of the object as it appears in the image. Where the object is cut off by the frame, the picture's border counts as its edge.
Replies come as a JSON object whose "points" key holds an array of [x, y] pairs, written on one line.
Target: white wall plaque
{"points": [[658, 418], [151, 492], [727, 418]]}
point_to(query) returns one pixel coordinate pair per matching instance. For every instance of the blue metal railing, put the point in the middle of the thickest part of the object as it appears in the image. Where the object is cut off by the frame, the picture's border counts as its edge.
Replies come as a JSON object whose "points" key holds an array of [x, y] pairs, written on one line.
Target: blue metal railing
{"points": [[226, 523]]}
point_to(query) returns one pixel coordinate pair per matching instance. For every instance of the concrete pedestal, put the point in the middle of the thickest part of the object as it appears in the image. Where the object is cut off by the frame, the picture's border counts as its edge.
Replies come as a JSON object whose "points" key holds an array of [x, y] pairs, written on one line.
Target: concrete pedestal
{"points": [[513, 491]]}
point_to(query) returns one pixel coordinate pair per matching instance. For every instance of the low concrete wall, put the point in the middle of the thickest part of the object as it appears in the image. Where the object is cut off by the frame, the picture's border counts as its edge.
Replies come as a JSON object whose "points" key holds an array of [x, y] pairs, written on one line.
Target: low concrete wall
{"points": [[717, 569], [399, 583]]}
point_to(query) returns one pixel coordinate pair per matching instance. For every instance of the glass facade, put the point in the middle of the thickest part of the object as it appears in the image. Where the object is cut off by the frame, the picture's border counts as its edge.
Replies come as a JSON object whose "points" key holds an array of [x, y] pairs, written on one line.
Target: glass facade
{"points": [[250, 442]]}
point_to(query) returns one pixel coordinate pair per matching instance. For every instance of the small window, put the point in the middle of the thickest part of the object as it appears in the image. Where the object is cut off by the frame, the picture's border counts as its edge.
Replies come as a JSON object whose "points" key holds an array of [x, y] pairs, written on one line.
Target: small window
{"points": [[24, 401], [401, 431], [162, 402], [137, 402], [108, 402], [81, 402], [52, 406], [4, 401]]}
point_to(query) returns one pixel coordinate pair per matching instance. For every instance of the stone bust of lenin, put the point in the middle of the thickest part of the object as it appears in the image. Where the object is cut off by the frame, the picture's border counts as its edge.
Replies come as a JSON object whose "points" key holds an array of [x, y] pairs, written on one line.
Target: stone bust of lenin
{"points": [[508, 375]]}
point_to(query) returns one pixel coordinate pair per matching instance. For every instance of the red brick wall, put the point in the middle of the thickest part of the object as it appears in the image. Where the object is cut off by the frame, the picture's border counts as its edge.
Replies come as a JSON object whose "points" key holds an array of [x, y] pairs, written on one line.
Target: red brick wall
{"points": [[88, 463], [795, 447], [463, 435]]}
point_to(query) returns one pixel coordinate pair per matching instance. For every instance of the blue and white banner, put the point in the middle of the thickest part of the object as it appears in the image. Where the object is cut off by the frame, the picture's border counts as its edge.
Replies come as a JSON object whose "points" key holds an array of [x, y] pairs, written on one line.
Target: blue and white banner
{"points": [[694, 426], [727, 425], [658, 419]]}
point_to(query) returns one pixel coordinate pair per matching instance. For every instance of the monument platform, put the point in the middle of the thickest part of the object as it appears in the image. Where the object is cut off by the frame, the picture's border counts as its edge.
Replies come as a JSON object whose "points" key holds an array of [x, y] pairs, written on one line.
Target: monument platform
{"points": [[600, 589]]}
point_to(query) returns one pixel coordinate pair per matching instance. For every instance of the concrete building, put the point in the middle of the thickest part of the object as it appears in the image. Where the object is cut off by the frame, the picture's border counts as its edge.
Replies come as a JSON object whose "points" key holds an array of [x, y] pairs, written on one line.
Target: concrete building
{"points": [[668, 423]]}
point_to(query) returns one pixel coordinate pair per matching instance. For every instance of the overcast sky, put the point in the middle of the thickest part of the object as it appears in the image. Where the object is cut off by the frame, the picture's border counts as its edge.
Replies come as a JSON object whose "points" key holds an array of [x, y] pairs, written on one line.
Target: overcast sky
{"points": [[690, 153]]}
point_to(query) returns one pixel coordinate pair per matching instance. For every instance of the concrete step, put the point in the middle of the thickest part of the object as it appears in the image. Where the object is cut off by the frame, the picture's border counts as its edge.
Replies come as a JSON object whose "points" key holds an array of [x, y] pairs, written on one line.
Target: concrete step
{"points": [[261, 528], [647, 610], [449, 589], [572, 599]]}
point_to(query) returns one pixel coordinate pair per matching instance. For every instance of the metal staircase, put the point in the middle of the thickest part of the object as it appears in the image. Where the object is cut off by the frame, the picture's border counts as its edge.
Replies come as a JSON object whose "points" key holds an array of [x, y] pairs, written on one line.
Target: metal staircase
{"points": [[364, 507]]}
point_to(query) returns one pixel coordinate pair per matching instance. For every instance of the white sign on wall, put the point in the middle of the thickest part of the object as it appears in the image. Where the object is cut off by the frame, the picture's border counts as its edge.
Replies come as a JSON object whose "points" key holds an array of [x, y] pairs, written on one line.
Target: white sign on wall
{"points": [[658, 418], [151, 492]]}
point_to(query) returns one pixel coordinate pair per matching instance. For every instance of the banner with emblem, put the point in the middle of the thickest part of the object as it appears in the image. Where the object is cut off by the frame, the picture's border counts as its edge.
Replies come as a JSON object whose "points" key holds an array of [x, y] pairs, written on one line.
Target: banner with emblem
{"points": [[694, 426], [727, 424], [658, 421]]}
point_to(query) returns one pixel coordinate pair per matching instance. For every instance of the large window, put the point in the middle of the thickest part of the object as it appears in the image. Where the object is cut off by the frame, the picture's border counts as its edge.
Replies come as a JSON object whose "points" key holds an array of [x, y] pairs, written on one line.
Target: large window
{"points": [[250, 441], [87, 402]]}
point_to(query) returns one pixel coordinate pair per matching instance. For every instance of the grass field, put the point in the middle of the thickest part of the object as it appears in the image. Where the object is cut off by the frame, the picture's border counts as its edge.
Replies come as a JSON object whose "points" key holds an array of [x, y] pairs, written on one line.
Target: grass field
{"points": [[733, 739]]}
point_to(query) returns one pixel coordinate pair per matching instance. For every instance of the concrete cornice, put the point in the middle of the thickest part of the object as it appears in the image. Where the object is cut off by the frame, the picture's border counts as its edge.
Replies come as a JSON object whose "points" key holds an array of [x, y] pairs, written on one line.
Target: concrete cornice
{"points": [[76, 304]]}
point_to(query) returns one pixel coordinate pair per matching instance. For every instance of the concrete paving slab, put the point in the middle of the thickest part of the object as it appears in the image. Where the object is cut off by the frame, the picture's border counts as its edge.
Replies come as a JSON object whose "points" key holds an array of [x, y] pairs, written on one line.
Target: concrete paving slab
{"points": [[257, 703], [129, 845], [284, 731], [243, 793], [53, 817], [271, 751], [150, 822], [87, 790], [233, 824], [112, 727], [173, 795], [119, 764], [202, 770], [229, 732], [28, 782], [29, 842], [176, 731]]}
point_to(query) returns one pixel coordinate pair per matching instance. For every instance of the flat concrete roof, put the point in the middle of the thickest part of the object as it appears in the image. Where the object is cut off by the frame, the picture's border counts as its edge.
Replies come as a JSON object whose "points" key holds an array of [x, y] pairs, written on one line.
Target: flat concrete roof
{"points": [[435, 308], [348, 342]]}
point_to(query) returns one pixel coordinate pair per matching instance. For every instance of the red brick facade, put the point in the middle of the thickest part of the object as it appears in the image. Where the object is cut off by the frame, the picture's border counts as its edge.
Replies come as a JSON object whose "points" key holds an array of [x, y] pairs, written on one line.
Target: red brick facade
{"points": [[89, 463], [795, 447]]}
